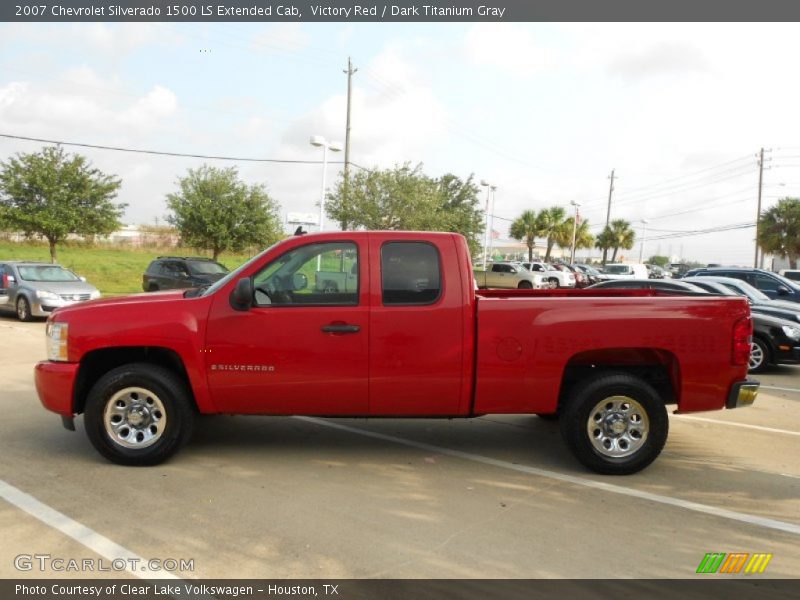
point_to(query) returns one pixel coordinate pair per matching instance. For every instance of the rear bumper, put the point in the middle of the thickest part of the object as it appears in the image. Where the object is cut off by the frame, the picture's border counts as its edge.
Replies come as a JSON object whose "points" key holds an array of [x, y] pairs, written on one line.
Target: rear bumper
{"points": [[743, 393], [55, 384]]}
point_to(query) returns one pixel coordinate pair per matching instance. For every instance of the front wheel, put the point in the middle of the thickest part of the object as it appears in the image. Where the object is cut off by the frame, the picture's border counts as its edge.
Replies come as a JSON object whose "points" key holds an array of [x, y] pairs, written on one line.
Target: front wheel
{"points": [[24, 309], [138, 414], [615, 424], [525, 285], [759, 356]]}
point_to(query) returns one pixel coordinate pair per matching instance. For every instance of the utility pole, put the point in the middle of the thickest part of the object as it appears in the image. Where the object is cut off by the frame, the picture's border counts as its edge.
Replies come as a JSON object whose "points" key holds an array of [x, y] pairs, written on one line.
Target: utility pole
{"points": [[346, 187], [758, 212], [608, 212]]}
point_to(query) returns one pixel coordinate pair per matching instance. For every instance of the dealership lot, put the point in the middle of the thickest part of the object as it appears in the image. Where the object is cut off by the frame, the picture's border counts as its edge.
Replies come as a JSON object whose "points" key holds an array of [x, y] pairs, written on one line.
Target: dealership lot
{"points": [[498, 496]]}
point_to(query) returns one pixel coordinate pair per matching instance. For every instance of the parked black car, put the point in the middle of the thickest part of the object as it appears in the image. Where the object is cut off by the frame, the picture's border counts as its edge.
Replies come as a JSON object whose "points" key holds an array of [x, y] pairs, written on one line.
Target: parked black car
{"points": [[667, 285], [173, 272], [775, 340], [771, 284], [759, 302]]}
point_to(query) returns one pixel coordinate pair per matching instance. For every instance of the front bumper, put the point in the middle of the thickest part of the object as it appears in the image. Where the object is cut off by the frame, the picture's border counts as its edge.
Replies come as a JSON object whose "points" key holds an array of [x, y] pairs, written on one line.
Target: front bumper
{"points": [[743, 393], [55, 384]]}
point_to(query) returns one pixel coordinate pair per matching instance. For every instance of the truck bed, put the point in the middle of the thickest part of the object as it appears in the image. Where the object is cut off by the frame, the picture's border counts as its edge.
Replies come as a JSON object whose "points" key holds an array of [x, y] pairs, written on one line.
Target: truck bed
{"points": [[528, 339]]}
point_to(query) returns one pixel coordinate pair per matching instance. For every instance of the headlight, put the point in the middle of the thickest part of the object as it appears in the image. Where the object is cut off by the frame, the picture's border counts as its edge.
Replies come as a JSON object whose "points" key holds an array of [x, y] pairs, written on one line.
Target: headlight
{"points": [[791, 332], [57, 336], [44, 295], [95, 295]]}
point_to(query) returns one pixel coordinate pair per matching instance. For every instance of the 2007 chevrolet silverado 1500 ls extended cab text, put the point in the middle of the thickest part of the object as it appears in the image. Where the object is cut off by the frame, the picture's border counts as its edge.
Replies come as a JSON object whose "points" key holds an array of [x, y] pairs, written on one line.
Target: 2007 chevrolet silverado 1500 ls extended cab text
{"points": [[410, 338]]}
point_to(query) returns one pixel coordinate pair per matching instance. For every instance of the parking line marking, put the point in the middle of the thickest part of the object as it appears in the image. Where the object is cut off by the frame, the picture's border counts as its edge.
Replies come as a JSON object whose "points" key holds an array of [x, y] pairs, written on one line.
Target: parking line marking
{"points": [[780, 389], [572, 479], [97, 543], [732, 424]]}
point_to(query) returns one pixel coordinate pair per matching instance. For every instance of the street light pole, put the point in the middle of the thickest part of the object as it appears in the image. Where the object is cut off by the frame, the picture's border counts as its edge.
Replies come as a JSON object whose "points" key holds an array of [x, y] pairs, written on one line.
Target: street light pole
{"points": [[489, 189], [574, 231], [644, 237], [318, 140]]}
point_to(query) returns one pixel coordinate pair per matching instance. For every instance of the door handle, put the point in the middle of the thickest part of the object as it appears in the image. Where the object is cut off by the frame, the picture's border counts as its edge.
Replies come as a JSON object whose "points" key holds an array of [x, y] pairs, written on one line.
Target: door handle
{"points": [[341, 328]]}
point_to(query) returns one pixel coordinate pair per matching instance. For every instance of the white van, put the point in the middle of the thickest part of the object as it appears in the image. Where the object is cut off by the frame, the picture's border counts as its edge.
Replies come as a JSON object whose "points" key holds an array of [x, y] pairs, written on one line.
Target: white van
{"points": [[625, 271]]}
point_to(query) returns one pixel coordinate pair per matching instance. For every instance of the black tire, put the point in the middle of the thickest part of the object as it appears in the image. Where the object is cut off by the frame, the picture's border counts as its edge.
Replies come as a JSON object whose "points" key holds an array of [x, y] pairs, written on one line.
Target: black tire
{"points": [[169, 391], [24, 309], [632, 453], [761, 346], [152, 287], [548, 416], [525, 285]]}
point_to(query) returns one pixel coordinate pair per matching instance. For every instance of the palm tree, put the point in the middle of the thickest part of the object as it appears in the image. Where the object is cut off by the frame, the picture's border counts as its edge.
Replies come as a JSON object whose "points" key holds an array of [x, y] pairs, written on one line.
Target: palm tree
{"points": [[526, 227], [551, 220], [622, 236], [583, 237], [604, 241], [779, 230]]}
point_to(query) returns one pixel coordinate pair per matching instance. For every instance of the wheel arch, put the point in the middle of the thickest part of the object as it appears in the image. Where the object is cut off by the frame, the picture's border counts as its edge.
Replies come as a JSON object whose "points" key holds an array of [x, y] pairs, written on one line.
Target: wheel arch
{"points": [[96, 363], [658, 367]]}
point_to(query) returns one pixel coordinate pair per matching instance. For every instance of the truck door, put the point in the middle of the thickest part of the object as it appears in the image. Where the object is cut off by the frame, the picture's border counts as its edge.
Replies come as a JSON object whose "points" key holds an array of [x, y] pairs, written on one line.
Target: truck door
{"points": [[416, 327], [302, 347]]}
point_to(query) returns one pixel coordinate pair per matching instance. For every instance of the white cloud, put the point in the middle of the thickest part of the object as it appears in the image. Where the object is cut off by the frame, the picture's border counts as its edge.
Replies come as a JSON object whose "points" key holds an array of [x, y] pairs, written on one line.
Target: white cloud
{"points": [[507, 47]]}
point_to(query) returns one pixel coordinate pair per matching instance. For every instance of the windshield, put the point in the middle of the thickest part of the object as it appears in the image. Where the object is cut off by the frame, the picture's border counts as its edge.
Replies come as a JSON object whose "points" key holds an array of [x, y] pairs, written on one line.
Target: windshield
{"points": [[617, 269], [233, 274], [206, 267], [742, 287], [47, 273]]}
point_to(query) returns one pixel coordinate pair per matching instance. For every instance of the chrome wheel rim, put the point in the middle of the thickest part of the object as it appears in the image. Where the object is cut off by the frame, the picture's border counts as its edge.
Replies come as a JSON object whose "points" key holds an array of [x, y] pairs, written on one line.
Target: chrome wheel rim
{"points": [[22, 308], [135, 418], [617, 426], [756, 356]]}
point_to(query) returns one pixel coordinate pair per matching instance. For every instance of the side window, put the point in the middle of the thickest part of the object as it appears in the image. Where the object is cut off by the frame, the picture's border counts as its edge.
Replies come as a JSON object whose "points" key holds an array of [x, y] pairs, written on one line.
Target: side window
{"points": [[410, 273], [765, 283], [316, 274], [4, 271], [501, 268]]}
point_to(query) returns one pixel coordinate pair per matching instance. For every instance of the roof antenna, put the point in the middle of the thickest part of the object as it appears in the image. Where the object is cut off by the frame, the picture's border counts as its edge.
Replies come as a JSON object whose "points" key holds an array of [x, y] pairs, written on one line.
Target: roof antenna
{"points": [[299, 231]]}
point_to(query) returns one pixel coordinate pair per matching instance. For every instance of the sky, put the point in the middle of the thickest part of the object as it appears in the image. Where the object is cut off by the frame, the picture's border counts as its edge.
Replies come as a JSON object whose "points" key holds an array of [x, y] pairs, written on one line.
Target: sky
{"points": [[542, 111]]}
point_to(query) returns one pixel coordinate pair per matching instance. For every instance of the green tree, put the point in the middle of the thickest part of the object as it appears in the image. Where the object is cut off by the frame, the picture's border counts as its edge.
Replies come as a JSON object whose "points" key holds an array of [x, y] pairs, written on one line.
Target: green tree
{"points": [[622, 236], [551, 222], [53, 194], [779, 230], [583, 237], [604, 241], [214, 210], [658, 260], [405, 198], [526, 228]]}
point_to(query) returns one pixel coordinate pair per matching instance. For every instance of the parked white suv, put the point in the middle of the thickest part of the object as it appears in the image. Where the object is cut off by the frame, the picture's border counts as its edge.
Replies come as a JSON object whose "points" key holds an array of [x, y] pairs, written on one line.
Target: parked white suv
{"points": [[552, 276], [625, 271]]}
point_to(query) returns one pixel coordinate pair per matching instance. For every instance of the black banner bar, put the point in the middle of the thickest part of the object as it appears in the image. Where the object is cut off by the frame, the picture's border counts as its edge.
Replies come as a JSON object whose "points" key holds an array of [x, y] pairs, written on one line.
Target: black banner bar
{"points": [[399, 10], [703, 587]]}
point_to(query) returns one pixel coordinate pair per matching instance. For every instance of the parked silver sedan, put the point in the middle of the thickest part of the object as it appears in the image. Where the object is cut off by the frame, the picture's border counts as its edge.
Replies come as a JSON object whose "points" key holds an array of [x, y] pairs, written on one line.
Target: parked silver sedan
{"points": [[32, 289]]}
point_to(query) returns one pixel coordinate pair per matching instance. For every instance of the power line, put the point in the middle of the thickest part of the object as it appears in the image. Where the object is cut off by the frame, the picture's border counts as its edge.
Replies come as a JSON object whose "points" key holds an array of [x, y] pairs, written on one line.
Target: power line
{"points": [[176, 154]]}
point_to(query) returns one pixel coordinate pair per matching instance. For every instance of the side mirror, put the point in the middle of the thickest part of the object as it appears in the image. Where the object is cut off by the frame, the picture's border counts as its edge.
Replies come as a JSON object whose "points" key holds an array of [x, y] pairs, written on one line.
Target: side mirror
{"points": [[513, 270], [82, 278], [242, 294], [783, 291]]}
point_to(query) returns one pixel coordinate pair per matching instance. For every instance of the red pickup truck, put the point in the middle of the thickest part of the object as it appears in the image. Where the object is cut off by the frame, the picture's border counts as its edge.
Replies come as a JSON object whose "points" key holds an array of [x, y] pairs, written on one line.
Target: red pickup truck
{"points": [[389, 324]]}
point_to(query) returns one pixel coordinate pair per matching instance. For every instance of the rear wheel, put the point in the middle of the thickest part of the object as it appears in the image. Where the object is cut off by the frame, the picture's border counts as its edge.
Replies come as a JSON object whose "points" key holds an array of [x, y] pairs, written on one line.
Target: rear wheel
{"points": [[759, 355], [152, 287], [138, 414], [24, 309], [615, 424], [525, 285]]}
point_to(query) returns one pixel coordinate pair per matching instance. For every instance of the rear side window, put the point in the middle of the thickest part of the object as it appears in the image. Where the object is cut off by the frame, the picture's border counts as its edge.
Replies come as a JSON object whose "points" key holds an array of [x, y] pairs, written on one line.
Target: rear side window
{"points": [[154, 268], [410, 273], [501, 268]]}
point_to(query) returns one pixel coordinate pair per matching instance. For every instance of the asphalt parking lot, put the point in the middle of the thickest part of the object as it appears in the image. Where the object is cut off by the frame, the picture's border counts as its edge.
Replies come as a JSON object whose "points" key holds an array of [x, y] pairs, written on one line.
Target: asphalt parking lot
{"points": [[492, 497]]}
